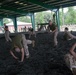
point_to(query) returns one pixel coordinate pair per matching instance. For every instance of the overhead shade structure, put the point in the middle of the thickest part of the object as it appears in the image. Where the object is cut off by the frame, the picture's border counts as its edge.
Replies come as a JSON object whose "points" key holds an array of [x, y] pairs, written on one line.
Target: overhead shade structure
{"points": [[23, 7], [16, 8]]}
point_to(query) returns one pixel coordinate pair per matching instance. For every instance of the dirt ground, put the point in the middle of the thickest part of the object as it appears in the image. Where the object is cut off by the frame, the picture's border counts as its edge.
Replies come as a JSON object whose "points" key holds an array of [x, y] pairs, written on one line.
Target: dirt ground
{"points": [[44, 58]]}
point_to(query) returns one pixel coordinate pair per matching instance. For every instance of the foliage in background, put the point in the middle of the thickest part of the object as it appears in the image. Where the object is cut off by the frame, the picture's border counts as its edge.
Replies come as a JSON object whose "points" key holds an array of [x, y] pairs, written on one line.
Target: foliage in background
{"points": [[69, 17], [6, 20], [24, 19], [43, 17]]}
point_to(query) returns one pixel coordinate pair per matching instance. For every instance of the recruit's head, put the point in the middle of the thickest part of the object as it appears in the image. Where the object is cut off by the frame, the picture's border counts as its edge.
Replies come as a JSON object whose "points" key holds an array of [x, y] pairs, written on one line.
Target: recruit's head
{"points": [[50, 22], [66, 29], [6, 27]]}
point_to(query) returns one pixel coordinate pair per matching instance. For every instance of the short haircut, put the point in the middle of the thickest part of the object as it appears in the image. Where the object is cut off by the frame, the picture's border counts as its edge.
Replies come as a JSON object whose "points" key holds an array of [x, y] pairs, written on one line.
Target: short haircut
{"points": [[66, 28], [6, 26]]}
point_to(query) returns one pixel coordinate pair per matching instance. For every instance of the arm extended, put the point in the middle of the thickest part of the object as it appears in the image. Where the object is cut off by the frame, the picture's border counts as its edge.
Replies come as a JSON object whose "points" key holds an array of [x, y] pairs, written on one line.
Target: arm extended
{"points": [[22, 56], [72, 50], [55, 29], [13, 54]]}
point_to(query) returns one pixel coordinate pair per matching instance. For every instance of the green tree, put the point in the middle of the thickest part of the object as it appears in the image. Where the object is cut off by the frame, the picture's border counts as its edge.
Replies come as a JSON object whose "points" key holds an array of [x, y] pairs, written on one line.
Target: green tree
{"points": [[39, 17], [42, 17], [24, 19], [70, 16], [47, 16], [6, 20]]}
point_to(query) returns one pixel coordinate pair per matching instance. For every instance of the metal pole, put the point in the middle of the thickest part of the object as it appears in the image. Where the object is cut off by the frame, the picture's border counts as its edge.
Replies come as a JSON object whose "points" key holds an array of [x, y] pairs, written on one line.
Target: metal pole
{"points": [[1, 21], [15, 23], [62, 16], [58, 19], [33, 20]]}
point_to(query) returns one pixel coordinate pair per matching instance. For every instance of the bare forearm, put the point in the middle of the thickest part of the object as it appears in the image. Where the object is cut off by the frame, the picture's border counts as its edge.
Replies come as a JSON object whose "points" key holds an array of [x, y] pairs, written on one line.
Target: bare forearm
{"points": [[22, 58], [13, 54], [73, 54], [73, 47], [55, 30], [72, 36]]}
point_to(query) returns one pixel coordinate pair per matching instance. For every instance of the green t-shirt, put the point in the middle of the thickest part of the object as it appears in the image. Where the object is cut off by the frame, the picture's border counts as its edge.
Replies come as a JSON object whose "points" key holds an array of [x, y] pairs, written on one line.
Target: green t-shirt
{"points": [[17, 41], [52, 27]]}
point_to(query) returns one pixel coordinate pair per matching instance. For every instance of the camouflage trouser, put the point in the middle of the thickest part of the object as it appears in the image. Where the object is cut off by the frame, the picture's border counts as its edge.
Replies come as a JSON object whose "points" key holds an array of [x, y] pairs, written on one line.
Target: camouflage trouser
{"points": [[74, 71], [25, 45], [71, 35], [71, 63], [7, 37], [55, 37]]}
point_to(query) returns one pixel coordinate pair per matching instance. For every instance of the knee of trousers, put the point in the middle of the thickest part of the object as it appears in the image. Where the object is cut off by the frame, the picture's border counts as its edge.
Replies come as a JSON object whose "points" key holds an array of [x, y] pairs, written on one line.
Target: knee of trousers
{"points": [[29, 41], [27, 51]]}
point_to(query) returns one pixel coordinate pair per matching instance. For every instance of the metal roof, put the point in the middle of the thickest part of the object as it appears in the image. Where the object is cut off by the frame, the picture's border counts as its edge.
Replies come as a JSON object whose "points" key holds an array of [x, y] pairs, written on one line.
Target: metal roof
{"points": [[23, 7]]}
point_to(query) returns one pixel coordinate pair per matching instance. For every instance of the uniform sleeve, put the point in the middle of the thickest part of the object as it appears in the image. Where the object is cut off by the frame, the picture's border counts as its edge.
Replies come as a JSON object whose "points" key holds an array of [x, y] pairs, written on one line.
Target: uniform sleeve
{"points": [[17, 41], [55, 25], [6, 35]]}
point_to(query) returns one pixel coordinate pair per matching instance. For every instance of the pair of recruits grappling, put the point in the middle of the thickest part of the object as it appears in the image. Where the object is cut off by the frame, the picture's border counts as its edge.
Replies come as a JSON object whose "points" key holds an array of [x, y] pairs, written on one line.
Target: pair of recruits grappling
{"points": [[19, 45]]}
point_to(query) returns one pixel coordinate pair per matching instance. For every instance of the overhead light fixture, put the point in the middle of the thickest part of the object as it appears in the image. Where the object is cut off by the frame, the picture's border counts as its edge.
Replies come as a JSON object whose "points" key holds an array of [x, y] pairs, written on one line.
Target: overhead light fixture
{"points": [[16, 2]]}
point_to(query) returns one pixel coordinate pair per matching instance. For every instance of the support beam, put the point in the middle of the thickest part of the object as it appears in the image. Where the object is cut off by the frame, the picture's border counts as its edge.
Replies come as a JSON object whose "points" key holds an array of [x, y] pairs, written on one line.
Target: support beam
{"points": [[66, 3], [69, 5], [54, 4], [58, 19], [62, 16], [33, 20], [1, 21], [50, 7], [11, 16], [15, 23], [17, 11], [6, 16]]}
